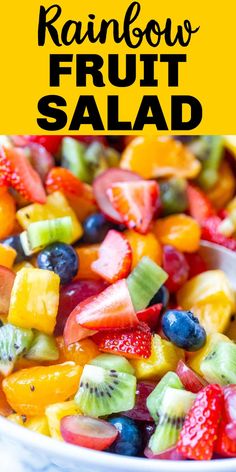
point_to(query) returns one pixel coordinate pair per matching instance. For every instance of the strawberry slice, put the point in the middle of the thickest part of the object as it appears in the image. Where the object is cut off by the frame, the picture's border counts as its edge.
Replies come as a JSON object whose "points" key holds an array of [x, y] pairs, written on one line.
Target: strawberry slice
{"points": [[134, 343], [200, 428], [226, 437], [150, 315], [74, 332], [115, 257], [62, 179], [110, 309], [136, 202], [19, 174], [200, 207]]}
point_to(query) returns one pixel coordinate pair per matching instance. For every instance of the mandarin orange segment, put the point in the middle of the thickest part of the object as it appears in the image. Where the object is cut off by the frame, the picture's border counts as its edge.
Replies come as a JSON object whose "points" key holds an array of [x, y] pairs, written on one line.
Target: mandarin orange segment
{"points": [[157, 156], [81, 352], [144, 245], [5, 409], [7, 256], [87, 254], [224, 189], [7, 214], [180, 231], [30, 391]]}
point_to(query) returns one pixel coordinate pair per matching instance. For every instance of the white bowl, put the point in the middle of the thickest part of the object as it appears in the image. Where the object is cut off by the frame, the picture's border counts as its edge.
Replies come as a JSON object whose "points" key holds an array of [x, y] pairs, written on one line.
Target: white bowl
{"points": [[21, 450]]}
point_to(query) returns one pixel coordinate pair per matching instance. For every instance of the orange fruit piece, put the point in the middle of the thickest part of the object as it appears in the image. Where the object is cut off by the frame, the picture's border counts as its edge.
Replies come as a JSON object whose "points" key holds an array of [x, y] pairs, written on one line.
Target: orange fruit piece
{"points": [[30, 391], [81, 352], [7, 214], [144, 245], [224, 189], [7, 256], [157, 156], [180, 231], [87, 254], [5, 409]]}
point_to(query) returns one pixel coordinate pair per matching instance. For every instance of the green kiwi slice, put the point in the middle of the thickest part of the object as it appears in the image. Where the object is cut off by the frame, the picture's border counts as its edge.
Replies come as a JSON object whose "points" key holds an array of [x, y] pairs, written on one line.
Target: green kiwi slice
{"points": [[103, 392], [14, 342], [144, 282], [43, 348], [73, 158], [42, 233], [111, 361], [219, 366], [174, 406], [155, 398]]}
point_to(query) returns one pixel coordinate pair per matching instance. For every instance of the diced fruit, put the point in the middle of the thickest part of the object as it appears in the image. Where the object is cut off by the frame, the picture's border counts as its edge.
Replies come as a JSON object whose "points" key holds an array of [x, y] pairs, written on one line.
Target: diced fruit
{"points": [[81, 352], [96, 227], [38, 424], [19, 174], [51, 143], [155, 398], [132, 343], [180, 231], [30, 391], [140, 411], [73, 158], [225, 444], [169, 454], [200, 207], [162, 297], [164, 357], [182, 328], [144, 281], [14, 342], [210, 232], [196, 264], [166, 157], [43, 348], [231, 330], [5, 409], [41, 160], [144, 245], [42, 233], [150, 315], [87, 255], [196, 359], [83, 206], [7, 278], [176, 266], [71, 295], [34, 300], [88, 432], [213, 150], [56, 412], [95, 396], [114, 257], [224, 189], [61, 259], [136, 202], [101, 185], [56, 206], [129, 440], [110, 361], [190, 380], [64, 181], [7, 256], [173, 196], [174, 405], [214, 317], [201, 424], [219, 366], [73, 331], [7, 215], [110, 309]]}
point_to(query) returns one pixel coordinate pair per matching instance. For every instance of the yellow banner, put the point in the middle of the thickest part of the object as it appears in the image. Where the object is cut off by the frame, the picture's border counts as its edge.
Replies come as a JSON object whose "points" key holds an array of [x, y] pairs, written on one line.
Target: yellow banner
{"points": [[89, 67]]}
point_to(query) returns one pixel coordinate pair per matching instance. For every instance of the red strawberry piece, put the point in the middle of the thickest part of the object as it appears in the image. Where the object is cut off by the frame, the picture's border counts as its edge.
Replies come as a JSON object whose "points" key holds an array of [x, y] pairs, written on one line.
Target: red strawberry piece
{"points": [[226, 440], [176, 266], [150, 315], [136, 203], [190, 380], [115, 257], [110, 309], [200, 428], [41, 160], [51, 143], [210, 233], [19, 174], [63, 180], [196, 264], [103, 182], [132, 343], [200, 207]]}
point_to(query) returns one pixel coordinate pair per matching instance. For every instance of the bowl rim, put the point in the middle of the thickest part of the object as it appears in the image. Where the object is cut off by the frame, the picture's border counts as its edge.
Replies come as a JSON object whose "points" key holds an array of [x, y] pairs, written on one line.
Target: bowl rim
{"points": [[108, 461]]}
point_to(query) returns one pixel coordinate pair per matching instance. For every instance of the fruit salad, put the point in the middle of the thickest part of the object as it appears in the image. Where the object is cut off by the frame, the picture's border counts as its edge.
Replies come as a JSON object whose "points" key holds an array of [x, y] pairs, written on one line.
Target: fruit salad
{"points": [[114, 335]]}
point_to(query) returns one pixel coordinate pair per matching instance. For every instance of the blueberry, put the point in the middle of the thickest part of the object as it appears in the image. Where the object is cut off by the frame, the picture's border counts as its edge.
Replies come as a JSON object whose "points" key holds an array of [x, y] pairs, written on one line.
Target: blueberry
{"points": [[62, 259], [15, 243], [162, 296], [96, 228], [129, 441], [183, 329]]}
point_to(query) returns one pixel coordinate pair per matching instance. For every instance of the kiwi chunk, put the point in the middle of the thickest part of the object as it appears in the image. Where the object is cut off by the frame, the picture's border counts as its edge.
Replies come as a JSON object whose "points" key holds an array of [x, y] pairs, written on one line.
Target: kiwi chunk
{"points": [[144, 282], [43, 348], [155, 398], [26, 246], [103, 392], [14, 342], [42, 233], [219, 366], [173, 408], [73, 158], [111, 361]]}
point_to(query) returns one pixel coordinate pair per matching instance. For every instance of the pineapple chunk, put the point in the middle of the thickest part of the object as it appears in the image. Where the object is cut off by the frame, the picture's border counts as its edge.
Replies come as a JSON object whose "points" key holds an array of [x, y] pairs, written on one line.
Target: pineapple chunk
{"points": [[56, 412], [22, 265], [164, 357], [38, 424], [196, 359], [214, 317], [56, 206], [34, 300]]}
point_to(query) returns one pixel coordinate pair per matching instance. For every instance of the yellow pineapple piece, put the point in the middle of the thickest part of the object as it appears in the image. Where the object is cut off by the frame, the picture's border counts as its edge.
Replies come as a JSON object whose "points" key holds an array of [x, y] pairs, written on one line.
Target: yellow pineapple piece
{"points": [[56, 412], [214, 317], [22, 265], [34, 300], [164, 357], [17, 419], [38, 424], [196, 358], [56, 206]]}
